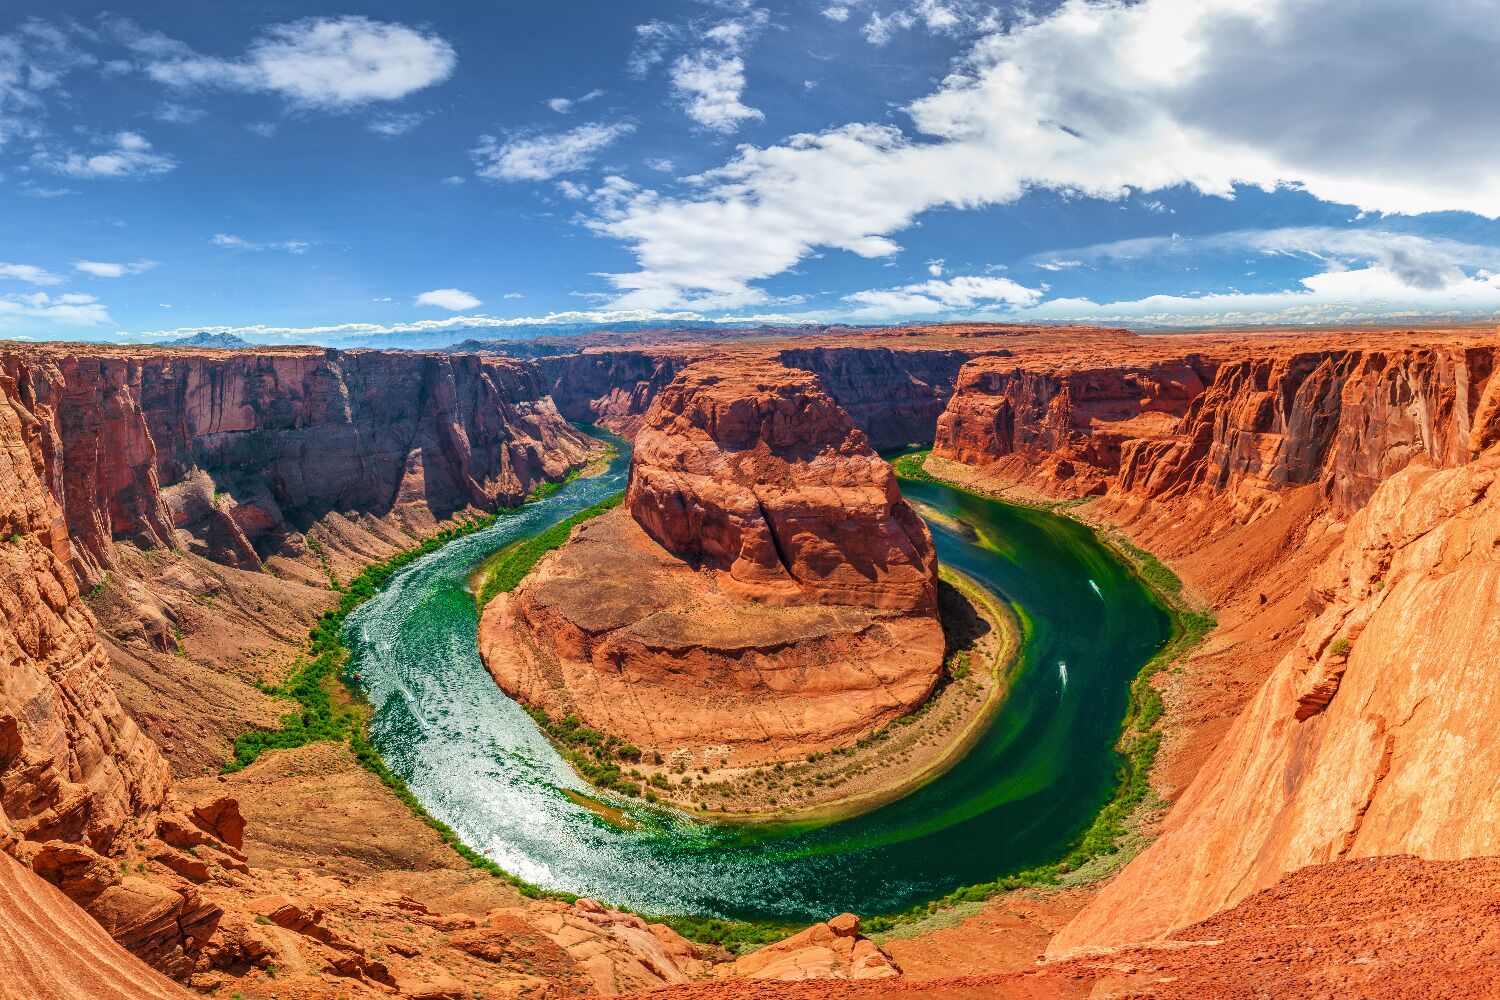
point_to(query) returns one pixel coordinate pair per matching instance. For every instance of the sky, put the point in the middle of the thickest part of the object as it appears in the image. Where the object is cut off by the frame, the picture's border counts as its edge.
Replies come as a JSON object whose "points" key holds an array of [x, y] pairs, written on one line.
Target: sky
{"points": [[290, 171]]}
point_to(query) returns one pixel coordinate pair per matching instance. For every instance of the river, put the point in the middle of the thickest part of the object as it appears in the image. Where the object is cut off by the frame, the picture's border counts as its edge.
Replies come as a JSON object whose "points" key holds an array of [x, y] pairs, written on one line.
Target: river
{"points": [[1032, 782]]}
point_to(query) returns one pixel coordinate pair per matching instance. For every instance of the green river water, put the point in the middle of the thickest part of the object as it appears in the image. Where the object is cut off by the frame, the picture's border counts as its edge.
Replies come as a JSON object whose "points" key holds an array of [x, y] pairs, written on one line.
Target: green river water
{"points": [[1031, 784]]}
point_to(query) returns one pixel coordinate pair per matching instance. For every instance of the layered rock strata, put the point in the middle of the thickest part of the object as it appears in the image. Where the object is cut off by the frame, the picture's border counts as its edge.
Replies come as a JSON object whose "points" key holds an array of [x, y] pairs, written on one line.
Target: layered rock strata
{"points": [[1370, 738], [228, 454], [765, 593]]}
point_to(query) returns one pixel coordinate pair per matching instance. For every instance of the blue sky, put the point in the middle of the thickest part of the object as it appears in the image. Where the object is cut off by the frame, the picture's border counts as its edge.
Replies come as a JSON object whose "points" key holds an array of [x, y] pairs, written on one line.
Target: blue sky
{"points": [[299, 172]]}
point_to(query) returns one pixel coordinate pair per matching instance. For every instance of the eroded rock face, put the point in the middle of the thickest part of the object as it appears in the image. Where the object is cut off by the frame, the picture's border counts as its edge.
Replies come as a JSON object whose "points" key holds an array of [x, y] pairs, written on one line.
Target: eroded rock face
{"points": [[228, 454], [1060, 427], [895, 396], [1372, 737], [754, 470]]}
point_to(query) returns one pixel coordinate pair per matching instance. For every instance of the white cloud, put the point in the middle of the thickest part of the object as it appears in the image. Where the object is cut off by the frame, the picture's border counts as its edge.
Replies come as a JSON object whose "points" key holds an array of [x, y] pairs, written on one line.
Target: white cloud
{"points": [[513, 295], [236, 243], [929, 298], [453, 181], [130, 155], [37, 191], [72, 310], [1101, 99], [452, 299], [30, 273], [660, 164], [1363, 295], [543, 157], [836, 12], [708, 85], [1418, 261], [935, 267], [393, 125], [563, 105], [1059, 264], [320, 334], [322, 62], [106, 269]]}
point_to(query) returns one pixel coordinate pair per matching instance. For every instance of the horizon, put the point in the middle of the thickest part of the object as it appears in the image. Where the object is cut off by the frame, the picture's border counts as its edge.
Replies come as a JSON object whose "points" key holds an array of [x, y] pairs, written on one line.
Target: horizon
{"points": [[286, 174]]}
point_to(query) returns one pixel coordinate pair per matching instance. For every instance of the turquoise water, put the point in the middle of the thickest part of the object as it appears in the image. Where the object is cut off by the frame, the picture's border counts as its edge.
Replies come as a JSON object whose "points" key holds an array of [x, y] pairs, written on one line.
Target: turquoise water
{"points": [[1032, 782]]}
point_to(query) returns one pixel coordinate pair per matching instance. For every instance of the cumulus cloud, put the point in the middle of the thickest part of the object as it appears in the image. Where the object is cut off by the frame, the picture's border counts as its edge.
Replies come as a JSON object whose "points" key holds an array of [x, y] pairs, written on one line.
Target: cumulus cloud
{"points": [[30, 273], [1101, 99], [545, 156], [71, 309], [232, 242], [452, 299], [928, 298], [128, 154], [107, 269], [321, 62], [708, 85], [706, 71]]}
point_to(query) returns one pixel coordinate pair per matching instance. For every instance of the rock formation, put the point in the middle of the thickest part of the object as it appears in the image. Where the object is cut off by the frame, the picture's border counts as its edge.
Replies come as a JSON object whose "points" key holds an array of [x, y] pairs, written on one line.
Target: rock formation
{"points": [[769, 592], [1370, 738], [228, 454]]}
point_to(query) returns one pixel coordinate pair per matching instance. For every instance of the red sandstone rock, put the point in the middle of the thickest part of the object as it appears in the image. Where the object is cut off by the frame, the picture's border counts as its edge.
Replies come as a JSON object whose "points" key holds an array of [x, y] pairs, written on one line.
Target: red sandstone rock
{"points": [[753, 469], [1370, 738], [831, 950]]}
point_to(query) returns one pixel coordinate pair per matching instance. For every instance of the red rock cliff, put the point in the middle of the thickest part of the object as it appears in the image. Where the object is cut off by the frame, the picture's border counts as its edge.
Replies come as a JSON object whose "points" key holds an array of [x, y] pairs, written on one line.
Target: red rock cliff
{"points": [[226, 453], [1371, 737], [753, 469]]}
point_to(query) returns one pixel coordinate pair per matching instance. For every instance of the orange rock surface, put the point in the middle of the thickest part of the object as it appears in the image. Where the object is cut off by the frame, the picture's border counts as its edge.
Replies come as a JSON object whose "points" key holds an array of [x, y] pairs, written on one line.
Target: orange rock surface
{"points": [[1371, 737], [754, 470]]}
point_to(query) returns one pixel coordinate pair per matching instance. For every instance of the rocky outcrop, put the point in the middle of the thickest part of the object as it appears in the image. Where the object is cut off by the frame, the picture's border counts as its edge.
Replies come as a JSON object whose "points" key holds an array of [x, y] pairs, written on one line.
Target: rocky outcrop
{"points": [[767, 595], [755, 471], [1061, 428], [228, 454], [1370, 738], [834, 949], [894, 395], [50, 948]]}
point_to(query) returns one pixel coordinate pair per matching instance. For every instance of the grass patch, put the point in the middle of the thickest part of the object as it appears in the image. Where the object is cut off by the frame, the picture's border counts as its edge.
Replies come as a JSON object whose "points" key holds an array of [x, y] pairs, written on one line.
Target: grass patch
{"points": [[593, 754], [512, 563]]}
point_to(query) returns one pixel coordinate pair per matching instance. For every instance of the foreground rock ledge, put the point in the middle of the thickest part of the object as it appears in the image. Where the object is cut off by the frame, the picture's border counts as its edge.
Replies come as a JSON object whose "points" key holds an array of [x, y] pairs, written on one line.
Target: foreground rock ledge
{"points": [[767, 593]]}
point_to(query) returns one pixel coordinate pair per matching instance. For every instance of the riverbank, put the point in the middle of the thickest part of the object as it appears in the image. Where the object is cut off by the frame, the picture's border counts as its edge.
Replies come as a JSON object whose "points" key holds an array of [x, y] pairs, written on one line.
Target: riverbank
{"points": [[1119, 831], [884, 765]]}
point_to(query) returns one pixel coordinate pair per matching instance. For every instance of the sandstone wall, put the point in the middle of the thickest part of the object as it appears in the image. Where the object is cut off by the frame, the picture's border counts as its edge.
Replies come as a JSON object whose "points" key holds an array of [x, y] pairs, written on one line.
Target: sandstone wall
{"points": [[1372, 737], [755, 470], [612, 388], [894, 396], [1060, 427], [226, 453], [1242, 424]]}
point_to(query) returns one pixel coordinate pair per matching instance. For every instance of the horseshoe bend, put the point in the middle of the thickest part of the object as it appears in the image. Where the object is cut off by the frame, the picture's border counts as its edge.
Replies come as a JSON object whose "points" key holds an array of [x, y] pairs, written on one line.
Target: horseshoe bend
{"points": [[757, 631], [750, 500]]}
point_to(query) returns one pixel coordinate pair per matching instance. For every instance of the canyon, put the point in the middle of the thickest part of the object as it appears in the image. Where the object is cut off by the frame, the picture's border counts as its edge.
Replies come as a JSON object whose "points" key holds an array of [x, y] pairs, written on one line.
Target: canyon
{"points": [[764, 594], [175, 519]]}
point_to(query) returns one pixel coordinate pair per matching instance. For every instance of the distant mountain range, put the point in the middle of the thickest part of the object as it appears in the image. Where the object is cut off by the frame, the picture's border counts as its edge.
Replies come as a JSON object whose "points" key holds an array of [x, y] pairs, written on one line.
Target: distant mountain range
{"points": [[210, 340]]}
